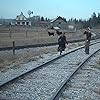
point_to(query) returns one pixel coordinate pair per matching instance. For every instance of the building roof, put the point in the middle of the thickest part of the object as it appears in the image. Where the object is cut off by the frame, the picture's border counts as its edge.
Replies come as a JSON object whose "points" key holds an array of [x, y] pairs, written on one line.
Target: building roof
{"points": [[59, 17], [56, 28], [21, 17]]}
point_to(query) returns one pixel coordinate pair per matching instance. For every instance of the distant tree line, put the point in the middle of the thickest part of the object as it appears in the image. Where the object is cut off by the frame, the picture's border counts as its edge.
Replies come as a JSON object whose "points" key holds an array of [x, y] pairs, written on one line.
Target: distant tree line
{"points": [[43, 18], [93, 21]]}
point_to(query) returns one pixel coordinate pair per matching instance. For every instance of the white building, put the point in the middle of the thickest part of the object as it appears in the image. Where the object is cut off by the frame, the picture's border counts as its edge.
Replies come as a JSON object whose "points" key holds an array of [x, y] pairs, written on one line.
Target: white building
{"points": [[22, 20]]}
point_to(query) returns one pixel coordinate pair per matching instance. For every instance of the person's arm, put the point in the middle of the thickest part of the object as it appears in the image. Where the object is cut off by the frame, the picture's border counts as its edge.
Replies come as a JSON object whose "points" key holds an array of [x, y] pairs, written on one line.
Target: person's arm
{"points": [[59, 39], [66, 40], [84, 32]]}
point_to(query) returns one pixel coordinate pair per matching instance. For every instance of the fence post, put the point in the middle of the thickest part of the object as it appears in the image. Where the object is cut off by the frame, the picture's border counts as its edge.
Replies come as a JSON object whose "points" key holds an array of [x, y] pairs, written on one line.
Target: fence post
{"points": [[10, 31], [13, 48], [26, 33]]}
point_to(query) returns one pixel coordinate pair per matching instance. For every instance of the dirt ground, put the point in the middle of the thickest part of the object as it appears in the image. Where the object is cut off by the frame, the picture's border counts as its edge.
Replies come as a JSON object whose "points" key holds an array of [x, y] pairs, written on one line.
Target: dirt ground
{"points": [[26, 55]]}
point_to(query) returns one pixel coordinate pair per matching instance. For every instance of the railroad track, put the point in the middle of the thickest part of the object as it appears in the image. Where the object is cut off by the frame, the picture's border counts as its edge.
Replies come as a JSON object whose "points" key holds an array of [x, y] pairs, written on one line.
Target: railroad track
{"points": [[42, 82], [83, 83]]}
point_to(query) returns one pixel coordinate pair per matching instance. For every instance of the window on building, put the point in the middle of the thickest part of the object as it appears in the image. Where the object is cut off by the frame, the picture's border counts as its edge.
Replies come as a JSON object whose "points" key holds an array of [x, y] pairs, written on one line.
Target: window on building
{"points": [[27, 23], [23, 23], [18, 18], [59, 22], [18, 23], [22, 18]]}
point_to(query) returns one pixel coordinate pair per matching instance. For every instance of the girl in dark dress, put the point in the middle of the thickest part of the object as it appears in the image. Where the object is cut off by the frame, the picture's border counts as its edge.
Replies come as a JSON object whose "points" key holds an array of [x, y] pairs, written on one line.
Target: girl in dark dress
{"points": [[62, 43]]}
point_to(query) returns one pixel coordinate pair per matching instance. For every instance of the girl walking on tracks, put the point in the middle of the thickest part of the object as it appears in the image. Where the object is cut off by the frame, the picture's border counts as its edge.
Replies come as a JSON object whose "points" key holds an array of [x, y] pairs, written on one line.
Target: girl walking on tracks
{"points": [[62, 43]]}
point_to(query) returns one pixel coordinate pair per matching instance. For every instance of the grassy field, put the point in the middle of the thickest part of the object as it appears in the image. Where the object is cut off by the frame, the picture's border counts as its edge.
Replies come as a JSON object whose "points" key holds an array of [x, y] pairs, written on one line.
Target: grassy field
{"points": [[34, 36], [8, 60], [27, 36]]}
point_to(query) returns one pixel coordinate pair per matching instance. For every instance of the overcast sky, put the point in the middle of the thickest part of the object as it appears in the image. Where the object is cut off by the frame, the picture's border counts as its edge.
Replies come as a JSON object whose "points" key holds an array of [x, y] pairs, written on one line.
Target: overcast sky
{"points": [[81, 9]]}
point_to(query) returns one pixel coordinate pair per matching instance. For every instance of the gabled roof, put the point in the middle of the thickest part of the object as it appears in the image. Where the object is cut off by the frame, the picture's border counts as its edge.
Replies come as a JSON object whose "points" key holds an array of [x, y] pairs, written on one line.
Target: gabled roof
{"points": [[21, 17], [59, 17]]}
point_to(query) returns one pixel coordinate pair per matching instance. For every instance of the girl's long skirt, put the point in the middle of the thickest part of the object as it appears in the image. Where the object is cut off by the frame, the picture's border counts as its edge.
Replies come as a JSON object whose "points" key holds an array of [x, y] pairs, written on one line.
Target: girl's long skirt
{"points": [[87, 43]]}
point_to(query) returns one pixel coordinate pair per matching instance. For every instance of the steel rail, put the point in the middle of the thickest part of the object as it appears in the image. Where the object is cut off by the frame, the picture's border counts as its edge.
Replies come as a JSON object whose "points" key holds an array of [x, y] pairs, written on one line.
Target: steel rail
{"points": [[57, 94], [41, 66]]}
